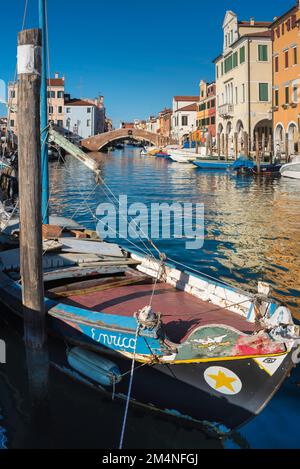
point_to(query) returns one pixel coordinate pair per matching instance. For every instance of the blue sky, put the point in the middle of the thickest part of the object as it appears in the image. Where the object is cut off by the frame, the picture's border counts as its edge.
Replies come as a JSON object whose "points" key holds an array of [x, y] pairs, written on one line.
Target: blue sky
{"points": [[138, 54]]}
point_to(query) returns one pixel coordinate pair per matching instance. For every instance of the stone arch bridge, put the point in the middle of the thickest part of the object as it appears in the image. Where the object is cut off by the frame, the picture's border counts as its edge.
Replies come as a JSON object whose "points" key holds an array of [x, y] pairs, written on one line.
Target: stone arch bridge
{"points": [[102, 140]]}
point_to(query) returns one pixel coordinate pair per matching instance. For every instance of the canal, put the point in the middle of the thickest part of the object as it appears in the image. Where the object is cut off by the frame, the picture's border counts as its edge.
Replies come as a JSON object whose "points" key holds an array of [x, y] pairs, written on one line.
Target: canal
{"points": [[252, 232]]}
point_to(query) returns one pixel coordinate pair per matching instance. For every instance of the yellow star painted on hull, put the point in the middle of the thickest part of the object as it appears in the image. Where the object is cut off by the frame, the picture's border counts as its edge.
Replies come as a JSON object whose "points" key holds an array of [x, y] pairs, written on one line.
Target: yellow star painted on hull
{"points": [[222, 380]]}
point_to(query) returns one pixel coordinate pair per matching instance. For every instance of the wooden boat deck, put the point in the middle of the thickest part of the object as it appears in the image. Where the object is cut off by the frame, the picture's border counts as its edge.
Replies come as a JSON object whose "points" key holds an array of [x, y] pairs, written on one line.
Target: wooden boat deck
{"points": [[181, 312]]}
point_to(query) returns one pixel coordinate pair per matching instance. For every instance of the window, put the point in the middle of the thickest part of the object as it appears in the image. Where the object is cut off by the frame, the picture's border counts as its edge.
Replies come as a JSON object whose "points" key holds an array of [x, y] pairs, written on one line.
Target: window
{"points": [[235, 60], [243, 93], [295, 93], [213, 120], [222, 68], [217, 71], [89, 110], [276, 64], [68, 110], [276, 98], [13, 94], [295, 49], [286, 59], [50, 109], [236, 95], [60, 109], [88, 123], [263, 53], [60, 94], [287, 95], [208, 105], [51, 94], [184, 120], [242, 55], [12, 123], [263, 92], [212, 103], [60, 123]]}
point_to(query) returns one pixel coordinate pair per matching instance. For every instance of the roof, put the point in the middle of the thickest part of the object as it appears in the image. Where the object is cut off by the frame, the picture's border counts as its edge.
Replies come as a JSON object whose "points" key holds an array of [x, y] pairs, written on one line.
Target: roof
{"points": [[55, 82], [245, 36], [186, 98], [79, 102], [190, 107], [257, 34], [279, 18], [255, 24]]}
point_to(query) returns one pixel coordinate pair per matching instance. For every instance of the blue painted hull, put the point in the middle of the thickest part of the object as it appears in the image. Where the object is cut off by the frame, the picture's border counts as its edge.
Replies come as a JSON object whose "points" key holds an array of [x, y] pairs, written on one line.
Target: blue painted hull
{"points": [[213, 165]]}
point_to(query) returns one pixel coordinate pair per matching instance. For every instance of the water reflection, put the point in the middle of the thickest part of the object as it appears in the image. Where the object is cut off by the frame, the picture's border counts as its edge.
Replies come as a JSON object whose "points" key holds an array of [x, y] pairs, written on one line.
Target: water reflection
{"points": [[252, 225]]}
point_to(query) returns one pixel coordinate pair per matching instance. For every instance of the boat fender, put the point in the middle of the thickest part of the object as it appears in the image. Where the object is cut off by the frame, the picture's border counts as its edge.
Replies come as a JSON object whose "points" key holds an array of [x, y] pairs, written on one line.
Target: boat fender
{"points": [[94, 366]]}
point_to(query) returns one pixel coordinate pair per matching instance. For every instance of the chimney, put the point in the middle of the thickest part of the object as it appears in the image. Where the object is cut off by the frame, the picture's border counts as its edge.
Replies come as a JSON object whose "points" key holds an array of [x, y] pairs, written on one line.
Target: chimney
{"points": [[252, 21]]}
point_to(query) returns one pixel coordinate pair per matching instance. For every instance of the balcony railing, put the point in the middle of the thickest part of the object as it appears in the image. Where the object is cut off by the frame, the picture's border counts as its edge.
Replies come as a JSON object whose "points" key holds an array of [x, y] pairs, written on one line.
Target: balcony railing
{"points": [[226, 110]]}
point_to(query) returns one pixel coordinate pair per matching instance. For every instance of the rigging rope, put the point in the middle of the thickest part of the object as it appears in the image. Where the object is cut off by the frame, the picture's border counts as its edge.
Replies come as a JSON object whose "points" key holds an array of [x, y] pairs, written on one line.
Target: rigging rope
{"points": [[129, 389]]}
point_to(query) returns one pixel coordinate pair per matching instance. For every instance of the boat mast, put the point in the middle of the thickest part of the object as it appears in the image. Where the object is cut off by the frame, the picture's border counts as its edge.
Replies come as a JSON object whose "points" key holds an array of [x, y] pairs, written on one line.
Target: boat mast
{"points": [[44, 115]]}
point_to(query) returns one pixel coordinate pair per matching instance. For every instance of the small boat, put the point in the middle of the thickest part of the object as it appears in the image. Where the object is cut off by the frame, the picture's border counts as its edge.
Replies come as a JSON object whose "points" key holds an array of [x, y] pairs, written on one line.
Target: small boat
{"points": [[162, 154], [248, 167], [181, 157], [211, 164], [291, 170]]}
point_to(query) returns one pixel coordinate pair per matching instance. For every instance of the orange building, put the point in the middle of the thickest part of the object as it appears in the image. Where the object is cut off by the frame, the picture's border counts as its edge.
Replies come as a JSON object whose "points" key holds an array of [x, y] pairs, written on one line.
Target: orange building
{"points": [[206, 117], [286, 72]]}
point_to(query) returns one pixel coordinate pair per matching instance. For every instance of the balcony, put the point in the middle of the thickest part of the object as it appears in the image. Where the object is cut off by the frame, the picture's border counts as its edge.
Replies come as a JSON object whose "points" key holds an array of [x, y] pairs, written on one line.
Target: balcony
{"points": [[226, 111]]}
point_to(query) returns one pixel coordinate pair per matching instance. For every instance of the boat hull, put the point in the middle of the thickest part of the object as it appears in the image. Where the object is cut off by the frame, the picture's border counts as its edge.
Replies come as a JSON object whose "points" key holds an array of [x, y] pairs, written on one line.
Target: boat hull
{"points": [[213, 165], [223, 392]]}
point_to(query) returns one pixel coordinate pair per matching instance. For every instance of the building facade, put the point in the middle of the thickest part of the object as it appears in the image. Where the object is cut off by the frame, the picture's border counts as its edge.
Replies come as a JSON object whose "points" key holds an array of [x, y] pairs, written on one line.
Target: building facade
{"points": [[206, 116], [244, 85], [184, 117], [286, 72], [83, 118], [56, 101], [165, 122]]}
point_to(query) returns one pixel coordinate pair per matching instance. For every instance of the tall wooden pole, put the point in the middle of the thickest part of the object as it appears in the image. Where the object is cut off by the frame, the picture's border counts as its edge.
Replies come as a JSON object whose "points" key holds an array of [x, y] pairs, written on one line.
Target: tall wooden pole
{"points": [[218, 145], [257, 152], [226, 146], [29, 84], [236, 151], [287, 156]]}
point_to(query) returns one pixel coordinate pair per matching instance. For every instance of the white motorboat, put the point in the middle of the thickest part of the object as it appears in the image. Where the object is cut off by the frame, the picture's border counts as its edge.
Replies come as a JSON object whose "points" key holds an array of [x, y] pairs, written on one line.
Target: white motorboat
{"points": [[291, 170], [182, 157]]}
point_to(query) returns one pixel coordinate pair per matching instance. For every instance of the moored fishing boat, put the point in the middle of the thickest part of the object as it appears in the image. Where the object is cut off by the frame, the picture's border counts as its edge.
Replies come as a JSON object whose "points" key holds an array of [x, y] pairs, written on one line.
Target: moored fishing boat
{"points": [[195, 339]]}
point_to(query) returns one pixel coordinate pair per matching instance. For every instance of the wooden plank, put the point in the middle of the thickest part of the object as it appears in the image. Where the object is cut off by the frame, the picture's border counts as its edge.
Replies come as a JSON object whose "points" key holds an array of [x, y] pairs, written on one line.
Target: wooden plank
{"points": [[97, 288], [93, 247], [81, 272]]}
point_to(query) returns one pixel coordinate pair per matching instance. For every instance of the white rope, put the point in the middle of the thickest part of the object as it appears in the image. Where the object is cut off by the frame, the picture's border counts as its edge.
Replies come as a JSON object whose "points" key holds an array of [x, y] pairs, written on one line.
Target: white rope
{"points": [[129, 390]]}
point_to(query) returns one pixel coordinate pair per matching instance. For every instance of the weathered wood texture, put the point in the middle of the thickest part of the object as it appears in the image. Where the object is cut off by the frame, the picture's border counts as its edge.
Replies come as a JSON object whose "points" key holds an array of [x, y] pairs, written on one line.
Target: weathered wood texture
{"points": [[29, 85]]}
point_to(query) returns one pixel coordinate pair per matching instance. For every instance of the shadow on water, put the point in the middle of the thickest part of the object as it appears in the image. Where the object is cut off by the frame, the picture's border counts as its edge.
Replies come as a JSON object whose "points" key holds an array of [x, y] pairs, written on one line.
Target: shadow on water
{"points": [[78, 416], [252, 232]]}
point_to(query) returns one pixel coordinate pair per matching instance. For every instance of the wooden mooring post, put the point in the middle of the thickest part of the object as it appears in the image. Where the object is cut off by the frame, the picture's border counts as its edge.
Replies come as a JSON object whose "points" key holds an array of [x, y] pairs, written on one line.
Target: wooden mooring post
{"points": [[257, 152], [29, 84]]}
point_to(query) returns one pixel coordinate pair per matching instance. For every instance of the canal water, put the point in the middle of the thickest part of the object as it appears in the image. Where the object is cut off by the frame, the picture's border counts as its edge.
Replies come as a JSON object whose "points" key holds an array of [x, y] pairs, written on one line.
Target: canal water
{"points": [[252, 232]]}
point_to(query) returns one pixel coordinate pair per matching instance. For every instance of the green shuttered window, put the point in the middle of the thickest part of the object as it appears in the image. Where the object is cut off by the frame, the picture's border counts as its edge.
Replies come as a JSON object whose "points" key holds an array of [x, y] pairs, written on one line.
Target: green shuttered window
{"points": [[242, 55], [263, 53], [263, 92]]}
